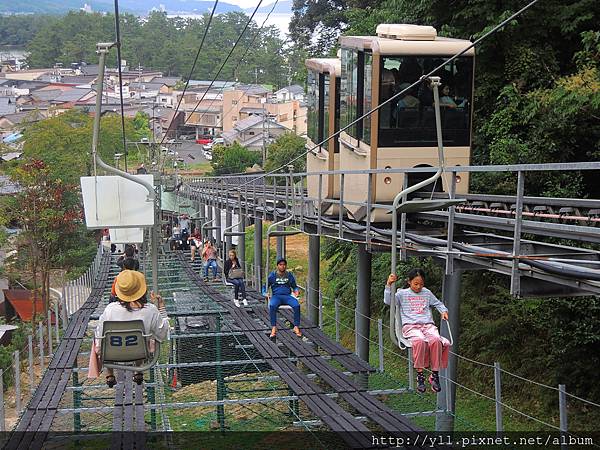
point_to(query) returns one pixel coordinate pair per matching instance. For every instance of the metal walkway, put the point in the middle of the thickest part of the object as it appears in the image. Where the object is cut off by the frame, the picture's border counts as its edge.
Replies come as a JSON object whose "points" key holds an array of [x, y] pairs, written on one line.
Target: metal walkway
{"points": [[354, 432], [323, 379]]}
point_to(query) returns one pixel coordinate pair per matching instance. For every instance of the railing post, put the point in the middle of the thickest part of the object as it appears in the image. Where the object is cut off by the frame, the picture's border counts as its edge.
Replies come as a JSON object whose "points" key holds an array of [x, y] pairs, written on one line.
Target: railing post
{"points": [[41, 344], [56, 328], [356, 330], [498, 397], [337, 320], [2, 422], [515, 279], [562, 405], [320, 203], [64, 314], [30, 362], [49, 333], [380, 343], [17, 363], [320, 310]]}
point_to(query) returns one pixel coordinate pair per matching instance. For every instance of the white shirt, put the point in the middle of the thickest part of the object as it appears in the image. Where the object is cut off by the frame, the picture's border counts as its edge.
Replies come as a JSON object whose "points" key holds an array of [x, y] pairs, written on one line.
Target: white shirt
{"points": [[156, 323]]}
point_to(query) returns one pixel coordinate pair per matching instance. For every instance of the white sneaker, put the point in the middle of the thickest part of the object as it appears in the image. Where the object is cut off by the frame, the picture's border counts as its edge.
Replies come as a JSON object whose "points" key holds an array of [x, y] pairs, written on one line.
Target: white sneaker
{"points": [[245, 302], [236, 302]]}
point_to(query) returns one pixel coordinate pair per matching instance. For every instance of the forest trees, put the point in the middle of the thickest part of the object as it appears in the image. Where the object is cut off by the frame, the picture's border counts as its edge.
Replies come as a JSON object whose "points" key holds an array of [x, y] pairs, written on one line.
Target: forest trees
{"points": [[170, 45]]}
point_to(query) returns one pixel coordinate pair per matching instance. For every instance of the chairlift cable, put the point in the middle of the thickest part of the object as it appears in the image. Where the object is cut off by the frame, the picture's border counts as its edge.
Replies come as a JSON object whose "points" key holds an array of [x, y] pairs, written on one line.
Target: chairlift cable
{"points": [[187, 83], [238, 64], [225, 61]]}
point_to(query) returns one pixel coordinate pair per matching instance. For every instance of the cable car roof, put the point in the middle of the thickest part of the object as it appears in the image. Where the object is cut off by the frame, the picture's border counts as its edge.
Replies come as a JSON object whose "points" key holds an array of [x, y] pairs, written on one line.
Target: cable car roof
{"points": [[333, 66], [406, 39]]}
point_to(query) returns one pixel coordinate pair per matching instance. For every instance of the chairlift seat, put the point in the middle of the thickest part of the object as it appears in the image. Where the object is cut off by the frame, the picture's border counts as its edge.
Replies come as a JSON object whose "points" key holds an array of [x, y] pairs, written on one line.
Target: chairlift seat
{"points": [[126, 346], [404, 342], [417, 206]]}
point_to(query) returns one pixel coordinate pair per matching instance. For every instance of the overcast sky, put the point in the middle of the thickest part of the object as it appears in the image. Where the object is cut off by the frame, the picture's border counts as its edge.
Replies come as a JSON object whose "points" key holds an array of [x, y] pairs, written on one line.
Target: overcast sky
{"points": [[249, 3]]}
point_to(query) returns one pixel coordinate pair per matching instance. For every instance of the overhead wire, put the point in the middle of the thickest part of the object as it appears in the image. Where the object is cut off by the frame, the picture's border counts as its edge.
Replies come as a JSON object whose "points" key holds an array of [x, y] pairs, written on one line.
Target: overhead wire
{"points": [[237, 65], [399, 94], [187, 83], [118, 45], [225, 60]]}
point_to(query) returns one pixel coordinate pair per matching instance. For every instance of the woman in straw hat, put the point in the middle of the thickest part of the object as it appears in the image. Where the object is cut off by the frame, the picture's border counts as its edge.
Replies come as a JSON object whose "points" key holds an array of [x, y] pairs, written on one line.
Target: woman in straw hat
{"points": [[132, 304]]}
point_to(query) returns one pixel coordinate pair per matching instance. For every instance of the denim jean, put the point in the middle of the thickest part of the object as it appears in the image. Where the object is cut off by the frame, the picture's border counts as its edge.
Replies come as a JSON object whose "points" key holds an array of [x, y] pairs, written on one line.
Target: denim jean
{"points": [[238, 285], [210, 263], [278, 300]]}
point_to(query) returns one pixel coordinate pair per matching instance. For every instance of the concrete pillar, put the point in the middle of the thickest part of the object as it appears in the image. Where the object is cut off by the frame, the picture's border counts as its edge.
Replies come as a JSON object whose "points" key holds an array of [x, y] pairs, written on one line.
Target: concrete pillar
{"points": [[209, 217], [217, 223], [446, 399], [258, 249], [227, 225], [363, 301], [242, 242], [312, 296]]}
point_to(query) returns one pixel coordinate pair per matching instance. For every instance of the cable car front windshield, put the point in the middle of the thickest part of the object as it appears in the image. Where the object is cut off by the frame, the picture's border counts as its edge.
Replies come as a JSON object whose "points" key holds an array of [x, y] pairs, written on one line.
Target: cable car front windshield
{"points": [[409, 121]]}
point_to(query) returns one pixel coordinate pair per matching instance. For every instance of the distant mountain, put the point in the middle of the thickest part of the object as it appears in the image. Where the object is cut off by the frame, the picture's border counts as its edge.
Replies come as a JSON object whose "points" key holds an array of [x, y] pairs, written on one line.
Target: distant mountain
{"points": [[283, 7], [131, 6]]}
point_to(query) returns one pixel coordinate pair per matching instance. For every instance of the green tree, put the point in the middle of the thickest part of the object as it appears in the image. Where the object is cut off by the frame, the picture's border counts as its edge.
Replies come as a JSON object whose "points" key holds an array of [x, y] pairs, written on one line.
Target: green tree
{"points": [[232, 159], [47, 210], [288, 146], [64, 142]]}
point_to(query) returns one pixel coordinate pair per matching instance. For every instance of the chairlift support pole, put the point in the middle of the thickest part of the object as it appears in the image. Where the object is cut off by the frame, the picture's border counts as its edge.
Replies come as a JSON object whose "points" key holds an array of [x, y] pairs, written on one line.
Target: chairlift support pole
{"points": [[401, 199], [102, 49]]}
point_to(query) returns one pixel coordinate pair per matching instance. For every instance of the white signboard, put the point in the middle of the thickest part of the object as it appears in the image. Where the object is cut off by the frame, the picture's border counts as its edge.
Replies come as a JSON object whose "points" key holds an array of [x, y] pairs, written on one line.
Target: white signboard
{"points": [[116, 202], [126, 235]]}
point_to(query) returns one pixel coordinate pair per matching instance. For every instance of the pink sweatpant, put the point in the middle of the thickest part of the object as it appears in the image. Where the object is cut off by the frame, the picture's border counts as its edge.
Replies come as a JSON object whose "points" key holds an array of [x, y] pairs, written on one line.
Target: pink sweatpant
{"points": [[428, 347]]}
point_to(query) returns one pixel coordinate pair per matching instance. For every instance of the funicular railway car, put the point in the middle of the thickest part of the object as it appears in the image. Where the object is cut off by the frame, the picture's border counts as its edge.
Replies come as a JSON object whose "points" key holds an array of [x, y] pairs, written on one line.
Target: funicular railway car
{"points": [[402, 134], [323, 120]]}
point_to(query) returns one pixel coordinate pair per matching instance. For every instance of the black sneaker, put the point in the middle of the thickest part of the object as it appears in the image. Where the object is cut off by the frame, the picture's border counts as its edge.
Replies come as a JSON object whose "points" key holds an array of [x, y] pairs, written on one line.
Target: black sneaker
{"points": [[434, 380], [421, 383]]}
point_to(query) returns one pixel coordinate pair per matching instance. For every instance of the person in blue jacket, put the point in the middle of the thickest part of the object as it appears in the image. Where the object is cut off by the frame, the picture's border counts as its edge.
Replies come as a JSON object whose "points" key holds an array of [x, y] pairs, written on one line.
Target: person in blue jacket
{"points": [[285, 292]]}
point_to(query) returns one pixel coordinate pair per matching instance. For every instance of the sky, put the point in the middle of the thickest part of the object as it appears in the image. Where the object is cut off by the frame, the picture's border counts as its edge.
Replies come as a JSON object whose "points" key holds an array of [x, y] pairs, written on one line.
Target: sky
{"points": [[249, 3]]}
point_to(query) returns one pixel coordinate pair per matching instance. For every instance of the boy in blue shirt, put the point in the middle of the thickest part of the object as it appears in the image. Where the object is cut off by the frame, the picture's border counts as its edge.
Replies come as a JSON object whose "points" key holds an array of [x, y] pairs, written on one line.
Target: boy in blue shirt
{"points": [[285, 292]]}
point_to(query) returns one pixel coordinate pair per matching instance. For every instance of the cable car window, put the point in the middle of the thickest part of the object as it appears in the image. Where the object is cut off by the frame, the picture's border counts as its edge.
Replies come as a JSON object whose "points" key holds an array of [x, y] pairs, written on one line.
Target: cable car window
{"points": [[348, 90], [325, 106], [367, 97], [409, 121], [312, 101], [336, 142]]}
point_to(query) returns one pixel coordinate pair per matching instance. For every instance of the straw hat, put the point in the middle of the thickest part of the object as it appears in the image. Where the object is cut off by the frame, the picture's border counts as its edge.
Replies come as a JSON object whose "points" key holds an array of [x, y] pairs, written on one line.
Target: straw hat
{"points": [[130, 285]]}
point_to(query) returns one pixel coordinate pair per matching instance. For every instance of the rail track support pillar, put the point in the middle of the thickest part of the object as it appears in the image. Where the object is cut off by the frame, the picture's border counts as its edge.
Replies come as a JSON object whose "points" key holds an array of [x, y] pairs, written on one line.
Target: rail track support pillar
{"points": [[258, 250], [228, 242], [363, 307], [219, 230], [313, 288], [446, 399]]}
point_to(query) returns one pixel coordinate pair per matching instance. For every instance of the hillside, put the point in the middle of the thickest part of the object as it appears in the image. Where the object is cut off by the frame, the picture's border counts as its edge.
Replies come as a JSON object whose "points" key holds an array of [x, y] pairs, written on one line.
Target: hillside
{"points": [[132, 6]]}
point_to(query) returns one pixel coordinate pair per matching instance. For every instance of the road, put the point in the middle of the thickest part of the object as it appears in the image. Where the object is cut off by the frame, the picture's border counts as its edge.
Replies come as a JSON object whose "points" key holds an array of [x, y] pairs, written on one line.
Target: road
{"points": [[191, 152]]}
